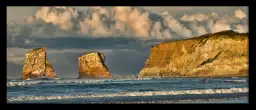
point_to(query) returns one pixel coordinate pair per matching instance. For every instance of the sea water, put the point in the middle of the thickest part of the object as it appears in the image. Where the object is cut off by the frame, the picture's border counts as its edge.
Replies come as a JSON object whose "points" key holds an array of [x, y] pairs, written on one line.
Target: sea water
{"points": [[129, 90]]}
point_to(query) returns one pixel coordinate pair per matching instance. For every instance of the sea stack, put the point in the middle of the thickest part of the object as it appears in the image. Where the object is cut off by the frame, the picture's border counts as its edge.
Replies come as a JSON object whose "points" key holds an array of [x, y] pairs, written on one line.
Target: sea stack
{"points": [[36, 65], [221, 54], [91, 65]]}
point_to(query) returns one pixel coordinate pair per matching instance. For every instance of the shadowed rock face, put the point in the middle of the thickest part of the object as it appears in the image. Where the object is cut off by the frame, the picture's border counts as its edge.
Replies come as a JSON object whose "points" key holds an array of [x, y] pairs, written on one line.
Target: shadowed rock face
{"points": [[91, 65], [36, 65], [222, 54]]}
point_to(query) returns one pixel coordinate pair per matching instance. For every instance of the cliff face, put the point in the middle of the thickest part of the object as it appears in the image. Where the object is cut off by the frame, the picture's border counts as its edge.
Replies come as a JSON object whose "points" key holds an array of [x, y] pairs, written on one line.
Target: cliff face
{"points": [[36, 65], [92, 65], [220, 54]]}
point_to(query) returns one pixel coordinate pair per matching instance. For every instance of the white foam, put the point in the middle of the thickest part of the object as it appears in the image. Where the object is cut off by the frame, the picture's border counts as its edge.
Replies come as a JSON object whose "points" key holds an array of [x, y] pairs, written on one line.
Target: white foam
{"points": [[76, 81], [23, 83], [236, 81], [122, 94], [210, 100]]}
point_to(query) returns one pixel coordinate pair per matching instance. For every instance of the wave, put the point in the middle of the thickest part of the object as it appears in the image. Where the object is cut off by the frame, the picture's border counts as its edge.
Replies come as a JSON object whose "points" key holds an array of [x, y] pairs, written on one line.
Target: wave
{"points": [[200, 101], [76, 81], [125, 94], [236, 81], [23, 83], [43, 78]]}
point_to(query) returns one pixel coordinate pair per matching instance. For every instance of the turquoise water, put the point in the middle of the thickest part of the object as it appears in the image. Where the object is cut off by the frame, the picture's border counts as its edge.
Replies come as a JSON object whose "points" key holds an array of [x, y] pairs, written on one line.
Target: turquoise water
{"points": [[129, 90]]}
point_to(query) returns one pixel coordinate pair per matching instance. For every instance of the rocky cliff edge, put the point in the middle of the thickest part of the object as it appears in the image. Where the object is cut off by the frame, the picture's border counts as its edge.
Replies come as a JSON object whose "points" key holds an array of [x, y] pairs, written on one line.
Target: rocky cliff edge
{"points": [[220, 54]]}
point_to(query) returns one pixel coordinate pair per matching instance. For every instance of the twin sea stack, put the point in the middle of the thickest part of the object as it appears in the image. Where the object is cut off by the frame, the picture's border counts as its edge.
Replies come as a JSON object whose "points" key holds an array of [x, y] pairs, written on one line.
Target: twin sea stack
{"points": [[92, 65], [222, 54], [36, 65]]}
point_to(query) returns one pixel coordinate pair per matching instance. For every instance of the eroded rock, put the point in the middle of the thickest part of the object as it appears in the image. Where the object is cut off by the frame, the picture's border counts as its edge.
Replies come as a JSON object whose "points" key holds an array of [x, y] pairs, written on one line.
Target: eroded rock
{"points": [[36, 65], [92, 65]]}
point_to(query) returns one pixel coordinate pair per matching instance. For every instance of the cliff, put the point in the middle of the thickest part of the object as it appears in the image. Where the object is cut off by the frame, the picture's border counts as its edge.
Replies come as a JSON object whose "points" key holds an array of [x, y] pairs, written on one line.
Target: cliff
{"points": [[222, 54], [36, 65], [92, 65]]}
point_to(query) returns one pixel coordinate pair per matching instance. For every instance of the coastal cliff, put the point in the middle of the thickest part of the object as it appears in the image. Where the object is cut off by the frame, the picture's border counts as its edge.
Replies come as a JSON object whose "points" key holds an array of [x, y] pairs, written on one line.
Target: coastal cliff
{"points": [[36, 65], [222, 54], [91, 65]]}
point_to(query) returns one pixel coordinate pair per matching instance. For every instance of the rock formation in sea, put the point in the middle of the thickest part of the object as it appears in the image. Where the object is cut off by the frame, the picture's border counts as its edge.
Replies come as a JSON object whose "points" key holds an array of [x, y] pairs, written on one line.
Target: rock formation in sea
{"points": [[91, 65], [36, 65], [221, 54]]}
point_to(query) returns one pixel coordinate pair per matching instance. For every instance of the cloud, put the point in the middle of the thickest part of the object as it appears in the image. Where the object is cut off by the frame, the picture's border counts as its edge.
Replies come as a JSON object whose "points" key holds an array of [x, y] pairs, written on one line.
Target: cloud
{"points": [[240, 14], [181, 10], [84, 43], [123, 34], [195, 17], [122, 21]]}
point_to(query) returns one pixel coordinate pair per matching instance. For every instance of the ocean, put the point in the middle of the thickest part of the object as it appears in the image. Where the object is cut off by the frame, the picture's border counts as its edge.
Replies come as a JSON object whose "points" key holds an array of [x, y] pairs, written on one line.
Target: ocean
{"points": [[129, 90]]}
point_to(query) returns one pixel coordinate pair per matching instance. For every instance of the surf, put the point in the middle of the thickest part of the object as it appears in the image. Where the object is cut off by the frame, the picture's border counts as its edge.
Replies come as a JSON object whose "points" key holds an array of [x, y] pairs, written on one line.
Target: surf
{"points": [[131, 94]]}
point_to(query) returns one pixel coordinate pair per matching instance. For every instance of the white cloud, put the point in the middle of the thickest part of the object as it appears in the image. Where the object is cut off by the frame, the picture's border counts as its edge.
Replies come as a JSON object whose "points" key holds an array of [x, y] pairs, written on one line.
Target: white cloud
{"points": [[195, 17], [240, 14], [123, 21]]}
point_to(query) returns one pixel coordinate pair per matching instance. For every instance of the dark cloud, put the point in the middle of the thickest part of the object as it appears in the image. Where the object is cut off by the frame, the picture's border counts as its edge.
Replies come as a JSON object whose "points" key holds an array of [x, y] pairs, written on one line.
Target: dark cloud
{"points": [[80, 43]]}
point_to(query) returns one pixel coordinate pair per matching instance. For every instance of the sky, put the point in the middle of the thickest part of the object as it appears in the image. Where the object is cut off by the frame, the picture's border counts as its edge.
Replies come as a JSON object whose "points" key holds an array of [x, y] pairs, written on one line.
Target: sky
{"points": [[123, 34]]}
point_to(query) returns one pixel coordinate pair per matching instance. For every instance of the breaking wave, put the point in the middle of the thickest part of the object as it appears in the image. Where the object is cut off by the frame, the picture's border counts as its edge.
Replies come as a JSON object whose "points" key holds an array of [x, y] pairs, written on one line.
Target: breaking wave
{"points": [[125, 94], [236, 81], [78, 81], [23, 83]]}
